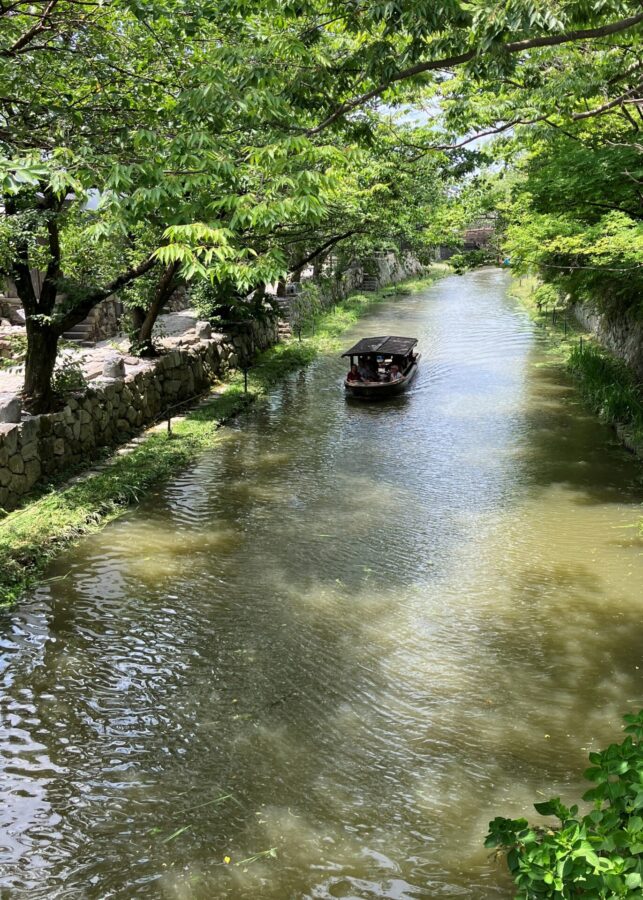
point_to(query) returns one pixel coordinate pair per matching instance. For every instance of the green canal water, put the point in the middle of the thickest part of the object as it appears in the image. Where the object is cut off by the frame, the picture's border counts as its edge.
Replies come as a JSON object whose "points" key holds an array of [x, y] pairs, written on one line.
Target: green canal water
{"points": [[349, 635]]}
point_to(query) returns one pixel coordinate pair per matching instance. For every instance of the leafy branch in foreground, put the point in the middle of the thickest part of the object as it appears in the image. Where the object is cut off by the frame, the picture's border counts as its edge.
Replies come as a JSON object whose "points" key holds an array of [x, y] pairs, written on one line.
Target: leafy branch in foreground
{"points": [[598, 855]]}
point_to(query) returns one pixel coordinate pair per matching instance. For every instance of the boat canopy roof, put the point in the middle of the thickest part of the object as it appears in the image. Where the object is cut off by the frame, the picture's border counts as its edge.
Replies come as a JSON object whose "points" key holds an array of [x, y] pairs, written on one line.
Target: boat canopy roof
{"points": [[382, 346]]}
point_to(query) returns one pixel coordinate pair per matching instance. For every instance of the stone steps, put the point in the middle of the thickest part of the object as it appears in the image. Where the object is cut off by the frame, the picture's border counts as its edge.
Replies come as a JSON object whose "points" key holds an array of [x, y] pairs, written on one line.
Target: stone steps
{"points": [[80, 335], [370, 283]]}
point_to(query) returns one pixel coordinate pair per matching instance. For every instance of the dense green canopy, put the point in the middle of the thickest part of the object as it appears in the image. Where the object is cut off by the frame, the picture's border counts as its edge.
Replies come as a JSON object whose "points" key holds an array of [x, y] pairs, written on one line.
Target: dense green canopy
{"points": [[149, 141]]}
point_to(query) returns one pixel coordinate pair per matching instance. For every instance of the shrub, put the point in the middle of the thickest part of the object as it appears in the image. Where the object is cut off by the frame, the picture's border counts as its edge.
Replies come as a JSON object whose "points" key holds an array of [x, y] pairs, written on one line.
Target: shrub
{"points": [[472, 259], [17, 350], [68, 375], [608, 385], [546, 295], [598, 855]]}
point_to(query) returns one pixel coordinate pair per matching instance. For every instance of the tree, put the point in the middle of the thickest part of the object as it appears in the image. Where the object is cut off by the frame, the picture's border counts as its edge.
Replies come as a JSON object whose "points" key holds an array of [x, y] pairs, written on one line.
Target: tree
{"points": [[170, 167]]}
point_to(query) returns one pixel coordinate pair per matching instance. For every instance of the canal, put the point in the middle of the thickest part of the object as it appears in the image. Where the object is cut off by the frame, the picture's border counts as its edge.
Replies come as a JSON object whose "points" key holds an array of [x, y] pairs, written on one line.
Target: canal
{"points": [[337, 645]]}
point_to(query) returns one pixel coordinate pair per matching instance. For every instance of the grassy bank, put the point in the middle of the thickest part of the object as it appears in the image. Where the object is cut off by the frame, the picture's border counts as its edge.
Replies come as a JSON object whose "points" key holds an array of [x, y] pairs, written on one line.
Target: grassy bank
{"points": [[32, 535], [604, 380]]}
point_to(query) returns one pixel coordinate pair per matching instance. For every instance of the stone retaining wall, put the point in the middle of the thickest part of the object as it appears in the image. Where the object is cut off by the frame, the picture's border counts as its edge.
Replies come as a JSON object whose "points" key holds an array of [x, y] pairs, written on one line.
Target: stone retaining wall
{"points": [[622, 334], [389, 268], [111, 410]]}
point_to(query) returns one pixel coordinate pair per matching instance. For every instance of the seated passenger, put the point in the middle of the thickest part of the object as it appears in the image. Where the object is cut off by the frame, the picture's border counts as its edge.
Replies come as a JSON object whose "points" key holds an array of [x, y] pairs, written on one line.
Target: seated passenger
{"points": [[367, 369], [353, 375], [394, 373]]}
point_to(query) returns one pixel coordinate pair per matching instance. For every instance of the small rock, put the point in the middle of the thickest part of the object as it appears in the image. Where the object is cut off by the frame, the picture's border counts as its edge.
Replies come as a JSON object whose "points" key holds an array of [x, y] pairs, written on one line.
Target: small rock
{"points": [[10, 408], [203, 331], [114, 367]]}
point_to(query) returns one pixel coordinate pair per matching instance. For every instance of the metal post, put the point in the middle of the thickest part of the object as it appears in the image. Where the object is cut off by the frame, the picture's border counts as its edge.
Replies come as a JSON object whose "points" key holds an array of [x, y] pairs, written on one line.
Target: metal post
{"points": [[245, 381], [169, 423], [580, 344], [553, 316]]}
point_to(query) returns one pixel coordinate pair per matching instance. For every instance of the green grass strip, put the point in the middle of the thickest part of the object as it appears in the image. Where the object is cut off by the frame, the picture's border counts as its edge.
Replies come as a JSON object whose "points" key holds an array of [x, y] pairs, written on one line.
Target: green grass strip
{"points": [[30, 537]]}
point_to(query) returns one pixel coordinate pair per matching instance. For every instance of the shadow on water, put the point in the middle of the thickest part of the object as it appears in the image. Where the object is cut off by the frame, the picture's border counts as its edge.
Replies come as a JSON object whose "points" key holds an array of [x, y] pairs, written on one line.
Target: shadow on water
{"points": [[567, 445], [350, 633]]}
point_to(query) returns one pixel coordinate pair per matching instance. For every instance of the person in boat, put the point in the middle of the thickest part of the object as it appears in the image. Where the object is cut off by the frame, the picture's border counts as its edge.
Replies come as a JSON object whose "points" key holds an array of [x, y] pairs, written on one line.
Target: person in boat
{"points": [[366, 369], [353, 375], [394, 373]]}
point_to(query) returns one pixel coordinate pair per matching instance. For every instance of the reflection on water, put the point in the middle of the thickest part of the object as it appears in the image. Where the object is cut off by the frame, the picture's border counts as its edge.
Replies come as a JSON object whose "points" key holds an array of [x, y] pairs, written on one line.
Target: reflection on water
{"points": [[350, 633]]}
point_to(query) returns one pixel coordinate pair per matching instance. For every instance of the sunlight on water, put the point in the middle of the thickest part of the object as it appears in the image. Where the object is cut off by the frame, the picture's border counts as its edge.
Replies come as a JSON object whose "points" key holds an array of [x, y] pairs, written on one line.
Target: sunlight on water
{"points": [[340, 643]]}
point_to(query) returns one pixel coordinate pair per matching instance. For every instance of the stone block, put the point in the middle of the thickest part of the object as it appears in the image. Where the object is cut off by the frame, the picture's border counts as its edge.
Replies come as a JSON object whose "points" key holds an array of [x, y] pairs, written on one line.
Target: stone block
{"points": [[114, 367], [18, 483], [172, 387], [59, 447], [16, 464], [10, 408], [45, 425], [203, 331], [30, 429], [33, 470], [5, 476], [29, 451], [86, 433], [85, 417]]}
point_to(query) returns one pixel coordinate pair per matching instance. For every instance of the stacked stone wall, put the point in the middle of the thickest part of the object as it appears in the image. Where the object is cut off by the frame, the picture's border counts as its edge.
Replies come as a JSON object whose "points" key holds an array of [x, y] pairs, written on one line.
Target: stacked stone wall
{"points": [[386, 268], [621, 333], [112, 410]]}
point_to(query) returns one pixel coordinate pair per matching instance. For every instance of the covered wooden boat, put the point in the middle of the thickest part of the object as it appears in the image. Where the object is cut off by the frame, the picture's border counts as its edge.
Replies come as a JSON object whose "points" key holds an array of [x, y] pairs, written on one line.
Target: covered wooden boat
{"points": [[381, 367]]}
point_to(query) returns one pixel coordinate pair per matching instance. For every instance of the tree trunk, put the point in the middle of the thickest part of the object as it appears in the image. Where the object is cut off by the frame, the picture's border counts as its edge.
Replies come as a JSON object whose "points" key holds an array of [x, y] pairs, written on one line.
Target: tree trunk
{"points": [[42, 347], [318, 266], [165, 289]]}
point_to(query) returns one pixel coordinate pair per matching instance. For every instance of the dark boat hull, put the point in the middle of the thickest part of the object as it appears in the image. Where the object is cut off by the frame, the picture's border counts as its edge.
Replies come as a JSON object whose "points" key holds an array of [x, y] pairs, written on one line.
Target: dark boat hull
{"points": [[381, 390]]}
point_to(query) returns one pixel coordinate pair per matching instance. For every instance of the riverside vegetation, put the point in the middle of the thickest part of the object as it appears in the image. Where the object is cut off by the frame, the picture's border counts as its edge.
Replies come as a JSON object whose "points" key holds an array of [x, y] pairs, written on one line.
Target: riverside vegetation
{"points": [[609, 386], [598, 855]]}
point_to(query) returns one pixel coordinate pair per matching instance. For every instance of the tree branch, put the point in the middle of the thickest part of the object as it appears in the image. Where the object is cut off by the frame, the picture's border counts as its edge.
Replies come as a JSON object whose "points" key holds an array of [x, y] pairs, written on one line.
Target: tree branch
{"points": [[330, 243], [82, 309], [606, 106], [460, 59], [40, 25]]}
